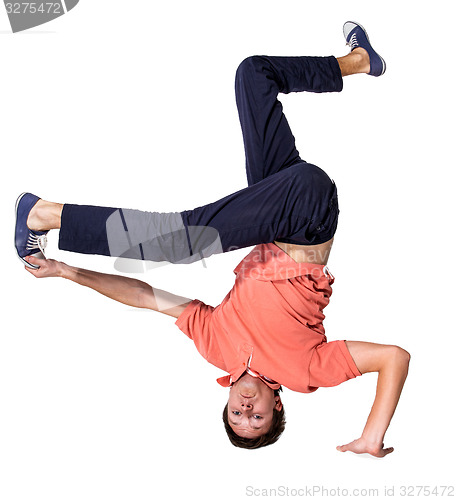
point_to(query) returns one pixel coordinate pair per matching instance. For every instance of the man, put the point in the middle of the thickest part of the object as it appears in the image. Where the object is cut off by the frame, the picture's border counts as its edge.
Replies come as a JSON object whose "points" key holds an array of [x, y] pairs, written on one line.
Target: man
{"points": [[268, 331]]}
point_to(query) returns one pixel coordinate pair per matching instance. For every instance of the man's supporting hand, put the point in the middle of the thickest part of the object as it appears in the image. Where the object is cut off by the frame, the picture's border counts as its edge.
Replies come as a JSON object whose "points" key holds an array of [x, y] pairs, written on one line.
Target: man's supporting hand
{"points": [[362, 446]]}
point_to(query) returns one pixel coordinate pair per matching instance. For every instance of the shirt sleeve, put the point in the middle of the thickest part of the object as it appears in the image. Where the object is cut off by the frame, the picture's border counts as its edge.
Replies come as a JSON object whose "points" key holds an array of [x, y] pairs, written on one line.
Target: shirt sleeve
{"points": [[331, 364], [197, 322]]}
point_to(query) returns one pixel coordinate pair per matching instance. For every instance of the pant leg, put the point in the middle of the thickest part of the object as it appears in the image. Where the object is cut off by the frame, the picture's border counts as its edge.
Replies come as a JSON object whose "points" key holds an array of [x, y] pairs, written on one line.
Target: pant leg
{"points": [[134, 234], [296, 205], [268, 141]]}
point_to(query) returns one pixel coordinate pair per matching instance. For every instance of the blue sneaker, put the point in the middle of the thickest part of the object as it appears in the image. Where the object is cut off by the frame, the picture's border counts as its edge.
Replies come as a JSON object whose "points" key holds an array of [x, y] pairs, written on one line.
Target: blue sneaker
{"points": [[26, 241], [356, 36]]}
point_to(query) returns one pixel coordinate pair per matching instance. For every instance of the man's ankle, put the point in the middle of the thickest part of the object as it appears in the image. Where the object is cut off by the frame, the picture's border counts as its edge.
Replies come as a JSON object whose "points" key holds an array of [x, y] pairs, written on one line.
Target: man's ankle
{"points": [[362, 59], [44, 216]]}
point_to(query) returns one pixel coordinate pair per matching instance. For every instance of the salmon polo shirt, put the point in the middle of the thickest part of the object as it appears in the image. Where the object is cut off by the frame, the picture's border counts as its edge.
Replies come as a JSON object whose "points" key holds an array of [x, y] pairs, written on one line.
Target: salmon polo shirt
{"points": [[271, 322]]}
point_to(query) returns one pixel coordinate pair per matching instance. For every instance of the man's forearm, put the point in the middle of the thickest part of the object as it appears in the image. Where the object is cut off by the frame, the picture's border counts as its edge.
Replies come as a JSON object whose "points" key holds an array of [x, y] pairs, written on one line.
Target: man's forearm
{"points": [[391, 378], [128, 291]]}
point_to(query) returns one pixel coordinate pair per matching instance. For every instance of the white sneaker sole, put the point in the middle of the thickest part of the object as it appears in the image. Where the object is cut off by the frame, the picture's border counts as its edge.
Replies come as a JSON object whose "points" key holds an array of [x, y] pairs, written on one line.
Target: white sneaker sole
{"points": [[38, 255]]}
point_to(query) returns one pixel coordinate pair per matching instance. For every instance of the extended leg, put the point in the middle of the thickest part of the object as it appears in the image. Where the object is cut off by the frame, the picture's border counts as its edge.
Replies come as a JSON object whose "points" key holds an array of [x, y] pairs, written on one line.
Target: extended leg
{"points": [[298, 203]]}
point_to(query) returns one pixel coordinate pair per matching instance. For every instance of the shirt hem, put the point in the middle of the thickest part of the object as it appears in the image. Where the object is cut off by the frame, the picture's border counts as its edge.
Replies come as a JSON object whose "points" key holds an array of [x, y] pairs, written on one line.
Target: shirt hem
{"points": [[183, 316], [349, 358]]}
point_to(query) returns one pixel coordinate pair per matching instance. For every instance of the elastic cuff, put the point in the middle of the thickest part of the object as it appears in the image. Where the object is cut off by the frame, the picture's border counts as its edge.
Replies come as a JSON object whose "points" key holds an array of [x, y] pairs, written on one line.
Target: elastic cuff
{"points": [[337, 73]]}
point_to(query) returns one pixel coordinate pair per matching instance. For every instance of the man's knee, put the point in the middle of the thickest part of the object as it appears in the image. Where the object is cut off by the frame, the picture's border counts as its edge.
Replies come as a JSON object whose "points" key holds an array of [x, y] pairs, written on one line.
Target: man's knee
{"points": [[308, 176], [249, 66]]}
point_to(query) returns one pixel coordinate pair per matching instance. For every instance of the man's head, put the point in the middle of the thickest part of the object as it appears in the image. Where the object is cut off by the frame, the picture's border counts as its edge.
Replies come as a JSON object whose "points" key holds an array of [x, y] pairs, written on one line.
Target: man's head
{"points": [[254, 415]]}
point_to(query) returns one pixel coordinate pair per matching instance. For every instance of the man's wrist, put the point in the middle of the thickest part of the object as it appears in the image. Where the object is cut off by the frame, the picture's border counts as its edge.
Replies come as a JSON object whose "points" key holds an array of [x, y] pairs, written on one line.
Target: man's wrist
{"points": [[372, 439], [63, 271]]}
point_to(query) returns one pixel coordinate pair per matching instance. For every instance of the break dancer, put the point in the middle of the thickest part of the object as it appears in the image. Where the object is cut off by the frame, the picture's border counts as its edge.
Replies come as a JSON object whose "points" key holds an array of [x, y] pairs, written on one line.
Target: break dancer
{"points": [[268, 331]]}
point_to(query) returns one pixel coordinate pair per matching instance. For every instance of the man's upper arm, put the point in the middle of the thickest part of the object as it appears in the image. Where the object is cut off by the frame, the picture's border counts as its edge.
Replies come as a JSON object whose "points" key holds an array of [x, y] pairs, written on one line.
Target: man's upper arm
{"points": [[164, 302], [177, 310], [369, 357]]}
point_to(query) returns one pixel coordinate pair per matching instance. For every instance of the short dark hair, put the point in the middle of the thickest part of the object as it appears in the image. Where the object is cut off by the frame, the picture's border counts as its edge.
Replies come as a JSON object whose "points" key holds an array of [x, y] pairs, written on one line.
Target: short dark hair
{"points": [[277, 427]]}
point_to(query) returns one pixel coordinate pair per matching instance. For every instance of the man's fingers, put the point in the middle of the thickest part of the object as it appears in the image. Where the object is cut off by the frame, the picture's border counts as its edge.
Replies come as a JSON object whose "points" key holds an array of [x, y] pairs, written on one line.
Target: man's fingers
{"points": [[384, 451], [36, 262], [31, 270], [33, 260]]}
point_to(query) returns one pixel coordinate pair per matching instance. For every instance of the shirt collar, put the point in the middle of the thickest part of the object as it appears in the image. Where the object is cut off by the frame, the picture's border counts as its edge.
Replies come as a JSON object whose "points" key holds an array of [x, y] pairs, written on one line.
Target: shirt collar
{"points": [[229, 380]]}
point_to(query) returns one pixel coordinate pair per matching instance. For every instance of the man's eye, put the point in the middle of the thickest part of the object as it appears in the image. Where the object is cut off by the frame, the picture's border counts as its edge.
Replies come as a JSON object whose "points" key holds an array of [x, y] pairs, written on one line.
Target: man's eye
{"points": [[258, 417], [235, 412]]}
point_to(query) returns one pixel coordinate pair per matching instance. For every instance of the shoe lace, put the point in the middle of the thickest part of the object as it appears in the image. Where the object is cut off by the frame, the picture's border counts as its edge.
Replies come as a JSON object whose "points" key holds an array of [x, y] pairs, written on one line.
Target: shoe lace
{"points": [[353, 42], [36, 241]]}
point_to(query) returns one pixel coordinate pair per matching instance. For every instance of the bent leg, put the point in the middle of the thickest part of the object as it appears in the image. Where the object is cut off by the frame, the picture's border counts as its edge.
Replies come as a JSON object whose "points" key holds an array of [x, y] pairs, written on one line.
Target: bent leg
{"points": [[268, 141]]}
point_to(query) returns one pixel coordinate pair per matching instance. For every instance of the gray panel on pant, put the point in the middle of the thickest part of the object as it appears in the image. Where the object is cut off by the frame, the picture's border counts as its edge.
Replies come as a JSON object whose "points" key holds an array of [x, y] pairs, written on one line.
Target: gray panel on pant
{"points": [[157, 237]]}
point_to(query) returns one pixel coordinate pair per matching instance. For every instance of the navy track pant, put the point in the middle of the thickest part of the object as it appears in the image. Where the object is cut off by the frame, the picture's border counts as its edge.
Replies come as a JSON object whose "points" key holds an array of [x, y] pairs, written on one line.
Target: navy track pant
{"points": [[287, 199]]}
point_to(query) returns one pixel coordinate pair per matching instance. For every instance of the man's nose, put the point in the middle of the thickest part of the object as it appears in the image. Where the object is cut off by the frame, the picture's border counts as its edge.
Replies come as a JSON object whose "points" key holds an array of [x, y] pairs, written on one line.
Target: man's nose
{"points": [[247, 405]]}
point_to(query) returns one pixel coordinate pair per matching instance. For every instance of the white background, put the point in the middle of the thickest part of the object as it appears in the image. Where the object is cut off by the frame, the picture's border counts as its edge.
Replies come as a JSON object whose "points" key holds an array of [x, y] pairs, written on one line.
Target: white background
{"points": [[131, 104]]}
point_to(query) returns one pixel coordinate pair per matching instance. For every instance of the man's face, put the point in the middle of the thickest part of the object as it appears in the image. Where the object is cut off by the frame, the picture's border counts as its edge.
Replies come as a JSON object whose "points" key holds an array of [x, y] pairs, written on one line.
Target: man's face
{"points": [[250, 407]]}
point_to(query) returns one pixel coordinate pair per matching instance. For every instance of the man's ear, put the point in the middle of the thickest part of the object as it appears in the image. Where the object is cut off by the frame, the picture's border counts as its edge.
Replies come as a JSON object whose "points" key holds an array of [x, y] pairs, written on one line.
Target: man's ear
{"points": [[278, 403]]}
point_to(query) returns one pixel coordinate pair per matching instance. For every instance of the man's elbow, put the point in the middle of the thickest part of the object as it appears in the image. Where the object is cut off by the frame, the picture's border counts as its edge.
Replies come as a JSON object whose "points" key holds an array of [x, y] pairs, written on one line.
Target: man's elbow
{"points": [[145, 297], [404, 355], [401, 356]]}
